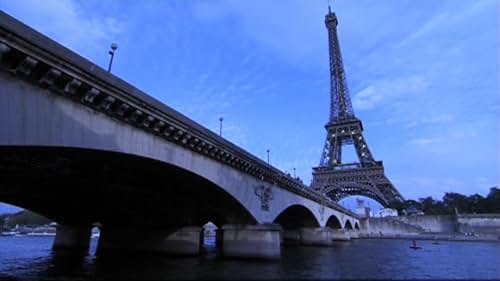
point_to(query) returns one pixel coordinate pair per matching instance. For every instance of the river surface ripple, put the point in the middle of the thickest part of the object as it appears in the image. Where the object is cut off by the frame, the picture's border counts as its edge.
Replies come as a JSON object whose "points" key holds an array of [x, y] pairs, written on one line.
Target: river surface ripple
{"points": [[31, 258]]}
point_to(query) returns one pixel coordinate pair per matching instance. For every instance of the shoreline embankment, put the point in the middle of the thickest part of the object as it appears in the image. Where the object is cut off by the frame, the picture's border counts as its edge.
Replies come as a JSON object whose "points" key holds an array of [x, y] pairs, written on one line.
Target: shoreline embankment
{"points": [[435, 237], [465, 227]]}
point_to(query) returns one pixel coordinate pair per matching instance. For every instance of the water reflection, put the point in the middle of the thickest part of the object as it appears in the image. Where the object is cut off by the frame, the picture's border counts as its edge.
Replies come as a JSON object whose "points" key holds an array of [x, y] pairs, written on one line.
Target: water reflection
{"points": [[28, 258], [69, 264]]}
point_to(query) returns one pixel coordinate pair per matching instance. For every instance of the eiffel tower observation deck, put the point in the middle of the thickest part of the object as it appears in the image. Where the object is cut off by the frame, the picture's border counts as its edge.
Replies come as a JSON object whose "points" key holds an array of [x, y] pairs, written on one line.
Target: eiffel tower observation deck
{"points": [[333, 177]]}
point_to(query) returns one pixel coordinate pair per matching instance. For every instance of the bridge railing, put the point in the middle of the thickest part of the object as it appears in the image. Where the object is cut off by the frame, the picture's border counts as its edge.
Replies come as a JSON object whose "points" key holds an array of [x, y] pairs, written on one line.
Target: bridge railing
{"points": [[36, 58]]}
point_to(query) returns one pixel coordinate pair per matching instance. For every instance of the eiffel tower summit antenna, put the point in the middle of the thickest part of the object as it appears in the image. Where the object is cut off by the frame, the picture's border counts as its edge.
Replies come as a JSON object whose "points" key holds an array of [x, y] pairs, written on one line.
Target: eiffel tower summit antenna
{"points": [[333, 177], [329, 7]]}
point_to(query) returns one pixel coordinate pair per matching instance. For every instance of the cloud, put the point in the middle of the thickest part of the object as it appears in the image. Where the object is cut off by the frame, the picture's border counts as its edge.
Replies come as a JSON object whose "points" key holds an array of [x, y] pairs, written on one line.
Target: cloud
{"points": [[446, 19], [421, 186], [426, 141], [450, 137], [367, 98], [274, 25], [302, 159], [66, 22], [426, 28], [213, 98], [387, 90], [235, 133], [441, 118], [485, 183]]}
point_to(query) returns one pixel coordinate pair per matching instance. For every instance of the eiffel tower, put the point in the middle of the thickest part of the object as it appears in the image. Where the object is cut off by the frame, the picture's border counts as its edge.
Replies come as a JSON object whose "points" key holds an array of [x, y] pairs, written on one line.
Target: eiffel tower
{"points": [[333, 177]]}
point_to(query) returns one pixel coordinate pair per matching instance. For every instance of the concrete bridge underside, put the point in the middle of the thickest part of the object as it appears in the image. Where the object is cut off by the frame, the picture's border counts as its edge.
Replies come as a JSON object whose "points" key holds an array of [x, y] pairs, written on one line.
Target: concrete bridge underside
{"points": [[84, 186], [80, 146], [145, 199]]}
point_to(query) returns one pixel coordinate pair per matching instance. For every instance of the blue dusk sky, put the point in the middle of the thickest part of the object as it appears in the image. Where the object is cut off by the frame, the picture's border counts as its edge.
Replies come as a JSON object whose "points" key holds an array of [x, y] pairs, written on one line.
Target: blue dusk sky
{"points": [[423, 75]]}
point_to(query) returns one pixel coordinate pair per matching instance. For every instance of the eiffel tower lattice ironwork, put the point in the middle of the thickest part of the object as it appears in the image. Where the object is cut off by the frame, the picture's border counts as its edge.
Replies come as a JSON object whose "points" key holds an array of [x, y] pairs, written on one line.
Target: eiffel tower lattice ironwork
{"points": [[333, 177]]}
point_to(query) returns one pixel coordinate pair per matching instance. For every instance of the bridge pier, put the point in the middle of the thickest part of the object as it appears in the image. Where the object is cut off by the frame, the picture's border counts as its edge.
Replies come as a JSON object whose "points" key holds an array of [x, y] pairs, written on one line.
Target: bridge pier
{"points": [[184, 241], [250, 241], [352, 233], [291, 236], [364, 226], [340, 235], [316, 236], [75, 238]]}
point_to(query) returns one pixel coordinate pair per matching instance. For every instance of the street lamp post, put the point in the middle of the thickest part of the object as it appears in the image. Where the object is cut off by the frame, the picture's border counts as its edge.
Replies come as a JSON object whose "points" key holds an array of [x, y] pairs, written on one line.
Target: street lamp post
{"points": [[114, 46], [267, 156], [220, 126], [294, 172]]}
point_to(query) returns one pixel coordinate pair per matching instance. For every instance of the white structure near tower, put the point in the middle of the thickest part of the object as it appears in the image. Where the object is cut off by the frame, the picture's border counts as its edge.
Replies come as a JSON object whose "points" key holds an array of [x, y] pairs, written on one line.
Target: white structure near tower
{"points": [[361, 210]]}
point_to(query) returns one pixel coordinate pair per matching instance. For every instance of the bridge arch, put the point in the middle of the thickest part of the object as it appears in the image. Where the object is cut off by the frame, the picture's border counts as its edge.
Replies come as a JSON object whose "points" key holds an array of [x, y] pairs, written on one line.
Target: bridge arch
{"points": [[33, 208], [356, 225], [348, 224], [112, 188], [333, 222], [295, 217], [35, 215]]}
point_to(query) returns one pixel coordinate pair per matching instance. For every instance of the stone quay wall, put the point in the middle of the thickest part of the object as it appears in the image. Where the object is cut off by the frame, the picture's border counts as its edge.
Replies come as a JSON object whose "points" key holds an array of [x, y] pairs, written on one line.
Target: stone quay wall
{"points": [[458, 227]]}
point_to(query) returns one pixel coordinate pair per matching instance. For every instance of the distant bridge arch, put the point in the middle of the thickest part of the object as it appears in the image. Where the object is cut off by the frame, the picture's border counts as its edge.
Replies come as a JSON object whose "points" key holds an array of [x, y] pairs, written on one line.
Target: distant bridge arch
{"points": [[296, 216], [334, 222], [348, 224]]}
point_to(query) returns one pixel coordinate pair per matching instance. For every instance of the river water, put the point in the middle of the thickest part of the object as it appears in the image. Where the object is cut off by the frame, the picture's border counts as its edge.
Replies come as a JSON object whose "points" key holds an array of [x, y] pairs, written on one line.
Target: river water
{"points": [[31, 258]]}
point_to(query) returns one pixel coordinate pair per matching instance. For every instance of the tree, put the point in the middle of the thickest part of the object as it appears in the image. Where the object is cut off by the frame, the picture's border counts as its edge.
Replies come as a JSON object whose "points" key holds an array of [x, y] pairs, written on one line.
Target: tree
{"points": [[432, 207], [397, 205], [492, 201], [464, 204], [454, 200], [24, 217], [477, 203]]}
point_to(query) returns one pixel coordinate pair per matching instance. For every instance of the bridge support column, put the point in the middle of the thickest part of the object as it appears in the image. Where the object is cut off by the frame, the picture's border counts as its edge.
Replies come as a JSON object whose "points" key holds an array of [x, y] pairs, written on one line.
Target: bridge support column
{"points": [[184, 241], [72, 238], [353, 234], [291, 236], [364, 226], [317, 236], [251, 241], [340, 235]]}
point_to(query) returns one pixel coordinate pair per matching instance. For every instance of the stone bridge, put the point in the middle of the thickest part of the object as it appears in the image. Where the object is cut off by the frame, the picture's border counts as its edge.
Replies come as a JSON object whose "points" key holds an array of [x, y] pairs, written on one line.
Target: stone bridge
{"points": [[84, 148]]}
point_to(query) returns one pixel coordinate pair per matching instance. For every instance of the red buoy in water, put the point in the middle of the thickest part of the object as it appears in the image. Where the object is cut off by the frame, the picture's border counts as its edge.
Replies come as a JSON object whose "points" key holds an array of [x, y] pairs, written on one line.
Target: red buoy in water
{"points": [[415, 247]]}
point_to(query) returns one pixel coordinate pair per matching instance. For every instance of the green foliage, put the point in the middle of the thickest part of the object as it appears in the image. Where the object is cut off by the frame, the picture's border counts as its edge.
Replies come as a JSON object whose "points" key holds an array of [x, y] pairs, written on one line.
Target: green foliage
{"points": [[455, 201], [432, 207], [493, 200], [397, 205], [24, 217]]}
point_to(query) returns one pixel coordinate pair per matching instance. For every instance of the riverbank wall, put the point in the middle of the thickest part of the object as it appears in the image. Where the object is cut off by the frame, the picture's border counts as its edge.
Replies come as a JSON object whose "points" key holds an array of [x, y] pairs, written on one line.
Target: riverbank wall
{"points": [[466, 227], [484, 224]]}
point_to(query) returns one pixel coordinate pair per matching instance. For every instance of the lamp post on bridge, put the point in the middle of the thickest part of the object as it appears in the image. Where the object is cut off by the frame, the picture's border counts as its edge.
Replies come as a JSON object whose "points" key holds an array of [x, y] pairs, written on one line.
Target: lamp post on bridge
{"points": [[114, 46], [220, 126], [294, 173], [267, 156]]}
